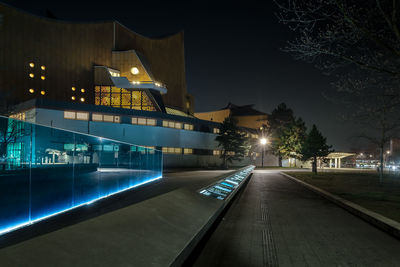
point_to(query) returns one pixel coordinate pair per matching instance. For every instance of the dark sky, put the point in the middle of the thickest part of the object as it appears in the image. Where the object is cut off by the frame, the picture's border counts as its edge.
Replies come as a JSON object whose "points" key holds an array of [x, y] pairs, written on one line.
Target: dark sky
{"points": [[232, 54]]}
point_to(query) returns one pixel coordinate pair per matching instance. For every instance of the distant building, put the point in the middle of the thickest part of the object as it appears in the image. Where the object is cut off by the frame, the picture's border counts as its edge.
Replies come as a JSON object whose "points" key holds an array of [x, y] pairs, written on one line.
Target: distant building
{"points": [[246, 115]]}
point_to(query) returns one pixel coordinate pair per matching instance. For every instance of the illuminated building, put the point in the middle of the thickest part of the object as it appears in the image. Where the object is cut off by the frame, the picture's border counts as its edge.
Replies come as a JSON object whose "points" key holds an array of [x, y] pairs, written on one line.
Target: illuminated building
{"points": [[102, 78], [114, 65]]}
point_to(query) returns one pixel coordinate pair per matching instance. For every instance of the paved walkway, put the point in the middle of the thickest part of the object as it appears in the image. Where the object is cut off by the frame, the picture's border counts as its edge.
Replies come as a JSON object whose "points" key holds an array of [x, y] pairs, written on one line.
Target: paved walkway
{"points": [[277, 222]]}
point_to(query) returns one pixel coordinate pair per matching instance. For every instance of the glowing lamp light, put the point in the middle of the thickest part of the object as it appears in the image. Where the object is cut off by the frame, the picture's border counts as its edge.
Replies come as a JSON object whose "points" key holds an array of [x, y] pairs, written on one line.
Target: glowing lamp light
{"points": [[43, 77], [73, 88], [43, 67], [388, 152], [73, 97], [82, 99], [134, 71], [263, 141], [31, 65], [31, 75], [31, 90], [42, 92], [82, 90]]}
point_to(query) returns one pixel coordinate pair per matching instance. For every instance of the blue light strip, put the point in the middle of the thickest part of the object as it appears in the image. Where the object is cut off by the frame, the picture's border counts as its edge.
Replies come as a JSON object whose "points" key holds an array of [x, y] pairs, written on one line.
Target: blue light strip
{"points": [[23, 224]]}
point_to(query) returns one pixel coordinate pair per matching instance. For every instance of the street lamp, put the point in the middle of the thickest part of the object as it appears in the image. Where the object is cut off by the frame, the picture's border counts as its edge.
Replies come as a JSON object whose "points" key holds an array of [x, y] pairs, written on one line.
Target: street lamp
{"points": [[263, 142]]}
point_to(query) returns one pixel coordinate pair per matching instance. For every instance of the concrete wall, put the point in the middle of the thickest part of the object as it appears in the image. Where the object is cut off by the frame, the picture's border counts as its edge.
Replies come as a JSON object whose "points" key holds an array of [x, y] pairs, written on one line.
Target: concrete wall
{"points": [[148, 136], [134, 134]]}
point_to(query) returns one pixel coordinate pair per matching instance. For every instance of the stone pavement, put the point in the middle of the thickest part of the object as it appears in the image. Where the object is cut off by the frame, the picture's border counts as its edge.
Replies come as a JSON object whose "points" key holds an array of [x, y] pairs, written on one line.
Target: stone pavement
{"points": [[277, 222]]}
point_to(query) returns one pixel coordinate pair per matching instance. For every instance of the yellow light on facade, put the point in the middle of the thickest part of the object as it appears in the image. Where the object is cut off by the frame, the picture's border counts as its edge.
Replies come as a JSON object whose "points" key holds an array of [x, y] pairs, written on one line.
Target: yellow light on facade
{"points": [[73, 97], [31, 75], [73, 88], [31, 90], [31, 65], [82, 90], [42, 92], [82, 99], [43, 77], [134, 71], [43, 67]]}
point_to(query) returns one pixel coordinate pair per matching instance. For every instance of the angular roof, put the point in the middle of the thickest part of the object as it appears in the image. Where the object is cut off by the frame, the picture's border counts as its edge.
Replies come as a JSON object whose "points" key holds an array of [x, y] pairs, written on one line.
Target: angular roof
{"points": [[246, 110]]}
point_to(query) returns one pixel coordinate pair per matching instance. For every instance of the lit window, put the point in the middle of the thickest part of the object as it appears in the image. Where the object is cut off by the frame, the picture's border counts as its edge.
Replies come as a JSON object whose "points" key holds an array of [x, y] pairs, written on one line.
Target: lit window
{"points": [[69, 115], [165, 149], [217, 152], [97, 117], [82, 116], [43, 77], [134, 120], [171, 150], [188, 127], [43, 67], [165, 123], [178, 150], [188, 151], [141, 121], [151, 122], [31, 75], [178, 125], [73, 97], [171, 124], [108, 118], [216, 130], [31, 90], [134, 71], [18, 116], [31, 65], [42, 92]]}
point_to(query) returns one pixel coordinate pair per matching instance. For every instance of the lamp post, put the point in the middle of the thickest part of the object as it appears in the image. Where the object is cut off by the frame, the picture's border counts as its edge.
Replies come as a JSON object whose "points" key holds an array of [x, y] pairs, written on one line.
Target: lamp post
{"points": [[263, 142]]}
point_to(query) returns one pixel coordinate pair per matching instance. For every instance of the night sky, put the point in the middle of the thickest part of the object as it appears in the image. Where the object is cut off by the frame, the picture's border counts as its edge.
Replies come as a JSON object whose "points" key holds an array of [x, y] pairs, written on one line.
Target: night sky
{"points": [[233, 54]]}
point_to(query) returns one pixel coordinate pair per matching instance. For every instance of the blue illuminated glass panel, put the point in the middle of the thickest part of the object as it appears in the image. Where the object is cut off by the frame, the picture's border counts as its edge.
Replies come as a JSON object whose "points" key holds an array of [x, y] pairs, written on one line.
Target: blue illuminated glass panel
{"points": [[46, 171]]}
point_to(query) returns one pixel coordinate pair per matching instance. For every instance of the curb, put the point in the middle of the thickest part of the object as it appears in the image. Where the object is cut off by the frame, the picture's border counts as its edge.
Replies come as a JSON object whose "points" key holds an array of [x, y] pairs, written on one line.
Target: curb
{"points": [[186, 252], [388, 225]]}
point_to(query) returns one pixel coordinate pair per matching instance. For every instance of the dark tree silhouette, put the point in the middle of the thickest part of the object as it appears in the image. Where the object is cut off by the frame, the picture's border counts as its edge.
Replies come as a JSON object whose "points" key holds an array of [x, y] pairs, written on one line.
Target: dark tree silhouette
{"points": [[315, 147], [234, 143]]}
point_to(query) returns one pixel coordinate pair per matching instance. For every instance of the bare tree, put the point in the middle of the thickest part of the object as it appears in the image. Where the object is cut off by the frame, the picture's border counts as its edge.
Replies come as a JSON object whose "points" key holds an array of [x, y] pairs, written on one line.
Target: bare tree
{"points": [[359, 42], [9, 130], [374, 106], [342, 33]]}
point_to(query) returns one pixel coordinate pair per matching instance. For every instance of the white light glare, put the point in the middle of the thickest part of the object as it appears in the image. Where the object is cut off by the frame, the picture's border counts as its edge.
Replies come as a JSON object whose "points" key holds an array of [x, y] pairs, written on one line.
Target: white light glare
{"points": [[263, 141]]}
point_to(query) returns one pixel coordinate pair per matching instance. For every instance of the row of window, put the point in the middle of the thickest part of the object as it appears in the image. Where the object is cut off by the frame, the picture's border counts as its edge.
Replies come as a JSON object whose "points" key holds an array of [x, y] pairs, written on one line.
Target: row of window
{"points": [[144, 121], [177, 150], [72, 115]]}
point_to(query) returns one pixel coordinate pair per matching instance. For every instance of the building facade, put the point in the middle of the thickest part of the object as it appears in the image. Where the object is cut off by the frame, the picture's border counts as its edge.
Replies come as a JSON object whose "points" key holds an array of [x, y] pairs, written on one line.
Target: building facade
{"points": [[103, 79], [102, 63]]}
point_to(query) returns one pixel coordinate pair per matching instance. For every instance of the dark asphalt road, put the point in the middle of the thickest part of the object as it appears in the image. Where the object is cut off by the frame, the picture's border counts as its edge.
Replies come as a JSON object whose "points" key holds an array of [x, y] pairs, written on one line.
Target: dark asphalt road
{"points": [[277, 222]]}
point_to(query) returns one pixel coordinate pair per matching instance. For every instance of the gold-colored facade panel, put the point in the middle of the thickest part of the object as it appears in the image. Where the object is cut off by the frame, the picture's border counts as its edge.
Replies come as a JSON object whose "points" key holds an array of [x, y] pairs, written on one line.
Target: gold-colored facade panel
{"points": [[122, 98]]}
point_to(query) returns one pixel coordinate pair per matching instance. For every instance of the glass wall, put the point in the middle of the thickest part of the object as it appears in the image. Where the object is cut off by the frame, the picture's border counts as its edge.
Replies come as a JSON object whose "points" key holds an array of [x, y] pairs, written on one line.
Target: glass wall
{"points": [[45, 171]]}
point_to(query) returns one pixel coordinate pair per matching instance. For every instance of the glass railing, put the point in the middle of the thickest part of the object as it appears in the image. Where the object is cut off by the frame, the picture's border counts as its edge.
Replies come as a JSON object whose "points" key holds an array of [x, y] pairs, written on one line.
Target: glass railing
{"points": [[45, 171]]}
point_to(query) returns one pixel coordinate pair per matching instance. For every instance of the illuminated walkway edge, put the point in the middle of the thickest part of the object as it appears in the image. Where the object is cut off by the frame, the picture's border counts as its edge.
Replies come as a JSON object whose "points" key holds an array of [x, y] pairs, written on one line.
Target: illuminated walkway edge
{"points": [[27, 223]]}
